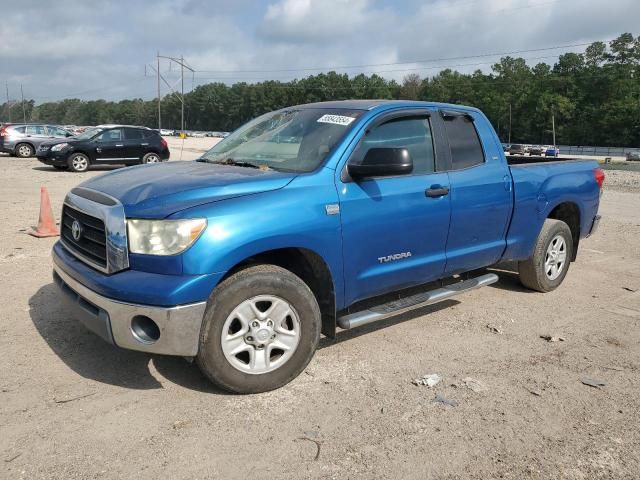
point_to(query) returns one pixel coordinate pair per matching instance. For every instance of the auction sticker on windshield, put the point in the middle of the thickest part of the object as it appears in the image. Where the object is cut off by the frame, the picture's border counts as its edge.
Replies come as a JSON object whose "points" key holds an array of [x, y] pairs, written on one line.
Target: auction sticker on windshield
{"points": [[336, 119]]}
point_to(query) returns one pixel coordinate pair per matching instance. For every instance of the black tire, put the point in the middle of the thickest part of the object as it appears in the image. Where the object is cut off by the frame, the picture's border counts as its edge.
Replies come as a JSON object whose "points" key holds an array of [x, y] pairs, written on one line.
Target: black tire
{"points": [[533, 272], [61, 167], [24, 150], [151, 157], [78, 162], [243, 285]]}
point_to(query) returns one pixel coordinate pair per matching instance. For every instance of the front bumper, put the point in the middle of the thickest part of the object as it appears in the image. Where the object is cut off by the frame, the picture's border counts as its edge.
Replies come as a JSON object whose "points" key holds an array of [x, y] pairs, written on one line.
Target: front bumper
{"points": [[179, 326], [52, 158]]}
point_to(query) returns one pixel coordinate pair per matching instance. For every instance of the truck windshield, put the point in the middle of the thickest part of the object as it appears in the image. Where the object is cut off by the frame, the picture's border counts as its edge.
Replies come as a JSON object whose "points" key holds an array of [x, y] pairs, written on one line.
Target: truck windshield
{"points": [[286, 140]]}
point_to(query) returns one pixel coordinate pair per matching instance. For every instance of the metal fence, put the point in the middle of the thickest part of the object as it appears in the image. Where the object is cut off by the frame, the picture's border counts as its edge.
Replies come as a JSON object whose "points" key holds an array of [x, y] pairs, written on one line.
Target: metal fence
{"points": [[600, 151]]}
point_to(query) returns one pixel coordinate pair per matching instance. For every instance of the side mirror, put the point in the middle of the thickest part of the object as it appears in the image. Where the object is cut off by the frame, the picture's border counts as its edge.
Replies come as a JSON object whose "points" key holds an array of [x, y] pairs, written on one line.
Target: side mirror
{"points": [[382, 162]]}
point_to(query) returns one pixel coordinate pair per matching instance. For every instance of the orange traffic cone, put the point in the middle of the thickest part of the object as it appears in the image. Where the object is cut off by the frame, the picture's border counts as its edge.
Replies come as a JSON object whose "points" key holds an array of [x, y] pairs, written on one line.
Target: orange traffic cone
{"points": [[46, 223]]}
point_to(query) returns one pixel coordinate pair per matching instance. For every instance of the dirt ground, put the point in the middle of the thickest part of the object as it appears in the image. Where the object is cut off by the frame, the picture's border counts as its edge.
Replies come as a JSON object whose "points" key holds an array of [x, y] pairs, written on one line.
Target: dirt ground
{"points": [[73, 407]]}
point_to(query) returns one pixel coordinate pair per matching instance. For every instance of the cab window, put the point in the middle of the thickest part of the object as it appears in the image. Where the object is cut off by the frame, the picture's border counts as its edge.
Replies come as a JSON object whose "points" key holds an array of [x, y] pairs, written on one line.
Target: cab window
{"points": [[413, 133], [466, 149]]}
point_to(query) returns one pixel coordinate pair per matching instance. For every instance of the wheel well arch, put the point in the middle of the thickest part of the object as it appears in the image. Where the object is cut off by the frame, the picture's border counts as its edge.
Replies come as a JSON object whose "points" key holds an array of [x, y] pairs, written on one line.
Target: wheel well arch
{"points": [[312, 270], [569, 213]]}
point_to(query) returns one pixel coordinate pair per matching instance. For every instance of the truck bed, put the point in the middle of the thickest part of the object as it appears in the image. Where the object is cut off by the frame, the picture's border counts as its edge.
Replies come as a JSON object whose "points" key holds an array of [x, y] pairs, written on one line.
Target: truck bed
{"points": [[524, 160]]}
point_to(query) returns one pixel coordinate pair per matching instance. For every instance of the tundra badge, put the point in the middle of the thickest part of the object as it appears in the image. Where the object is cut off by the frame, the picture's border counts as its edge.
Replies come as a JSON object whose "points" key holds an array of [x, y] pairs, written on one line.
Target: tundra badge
{"points": [[394, 257]]}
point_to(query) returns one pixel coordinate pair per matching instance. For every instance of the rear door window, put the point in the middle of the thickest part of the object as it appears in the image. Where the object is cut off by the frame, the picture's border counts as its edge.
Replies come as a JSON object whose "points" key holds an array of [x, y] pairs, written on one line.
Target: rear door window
{"points": [[466, 149], [132, 134], [19, 129], [36, 130]]}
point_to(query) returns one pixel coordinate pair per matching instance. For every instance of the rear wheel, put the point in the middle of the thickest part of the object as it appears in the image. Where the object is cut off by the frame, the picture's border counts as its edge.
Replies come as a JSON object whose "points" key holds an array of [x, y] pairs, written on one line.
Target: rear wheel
{"points": [[151, 158], [548, 266], [78, 162], [261, 329], [24, 150]]}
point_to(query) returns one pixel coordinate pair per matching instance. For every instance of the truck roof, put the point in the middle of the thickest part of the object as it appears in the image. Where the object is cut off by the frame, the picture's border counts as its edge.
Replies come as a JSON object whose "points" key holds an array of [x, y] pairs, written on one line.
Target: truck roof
{"points": [[381, 104]]}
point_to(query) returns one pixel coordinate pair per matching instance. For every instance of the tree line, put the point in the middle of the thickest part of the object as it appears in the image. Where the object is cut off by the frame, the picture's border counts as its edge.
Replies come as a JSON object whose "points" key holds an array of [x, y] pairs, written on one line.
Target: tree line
{"points": [[594, 97]]}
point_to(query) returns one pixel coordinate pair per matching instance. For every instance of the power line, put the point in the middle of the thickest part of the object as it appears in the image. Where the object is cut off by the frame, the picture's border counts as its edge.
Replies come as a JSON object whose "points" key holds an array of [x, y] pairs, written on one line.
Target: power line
{"points": [[442, 59]]}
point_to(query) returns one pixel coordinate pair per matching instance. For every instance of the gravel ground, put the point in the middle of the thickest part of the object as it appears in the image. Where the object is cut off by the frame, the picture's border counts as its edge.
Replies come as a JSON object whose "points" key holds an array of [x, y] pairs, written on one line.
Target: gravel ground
{"points": [[73, 407]]}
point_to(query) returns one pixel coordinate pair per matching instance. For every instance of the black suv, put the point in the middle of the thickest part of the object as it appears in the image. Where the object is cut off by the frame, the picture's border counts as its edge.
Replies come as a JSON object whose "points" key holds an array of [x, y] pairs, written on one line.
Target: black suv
{"points": [[105, 144]]}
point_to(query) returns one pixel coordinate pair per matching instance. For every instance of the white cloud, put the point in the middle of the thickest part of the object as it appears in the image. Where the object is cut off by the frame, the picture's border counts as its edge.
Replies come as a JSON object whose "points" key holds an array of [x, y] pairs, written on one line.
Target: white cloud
{"points": [[70, 47]]}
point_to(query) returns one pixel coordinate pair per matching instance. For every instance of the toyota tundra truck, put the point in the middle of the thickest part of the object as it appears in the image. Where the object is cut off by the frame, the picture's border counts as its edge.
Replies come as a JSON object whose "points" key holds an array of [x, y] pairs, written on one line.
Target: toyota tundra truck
{"points": [[308, 220]]}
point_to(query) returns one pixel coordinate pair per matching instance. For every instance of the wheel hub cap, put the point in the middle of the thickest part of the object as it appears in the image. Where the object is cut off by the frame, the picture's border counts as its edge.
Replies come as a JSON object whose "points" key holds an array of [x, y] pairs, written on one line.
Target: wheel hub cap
{"points": [[555, 258], [260, 334]]}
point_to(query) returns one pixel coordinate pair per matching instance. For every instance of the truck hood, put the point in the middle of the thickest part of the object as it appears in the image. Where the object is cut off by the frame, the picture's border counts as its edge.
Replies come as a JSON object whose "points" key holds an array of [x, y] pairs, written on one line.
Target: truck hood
{"points": [[157, 191]]}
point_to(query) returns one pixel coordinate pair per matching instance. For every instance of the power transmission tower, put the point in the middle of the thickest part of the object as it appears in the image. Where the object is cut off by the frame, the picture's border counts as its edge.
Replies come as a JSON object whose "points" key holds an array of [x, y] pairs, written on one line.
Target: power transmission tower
{"points": [[180, 61]]}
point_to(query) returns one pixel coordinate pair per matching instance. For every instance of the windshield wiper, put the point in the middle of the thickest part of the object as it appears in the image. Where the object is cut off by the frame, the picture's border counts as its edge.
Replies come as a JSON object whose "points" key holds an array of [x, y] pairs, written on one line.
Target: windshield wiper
{"points": [[231, 161]]}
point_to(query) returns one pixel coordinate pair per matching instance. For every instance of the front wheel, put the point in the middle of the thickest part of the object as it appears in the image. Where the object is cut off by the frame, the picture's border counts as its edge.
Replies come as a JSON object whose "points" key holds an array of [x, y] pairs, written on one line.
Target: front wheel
{"points": [[261, 328], [546, 268], [78, 162]]}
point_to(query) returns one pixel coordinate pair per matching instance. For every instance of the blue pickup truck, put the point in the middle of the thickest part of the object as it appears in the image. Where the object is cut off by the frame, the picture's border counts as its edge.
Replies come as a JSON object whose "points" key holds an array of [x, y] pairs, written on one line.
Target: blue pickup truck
{"points": [[306, 220]]}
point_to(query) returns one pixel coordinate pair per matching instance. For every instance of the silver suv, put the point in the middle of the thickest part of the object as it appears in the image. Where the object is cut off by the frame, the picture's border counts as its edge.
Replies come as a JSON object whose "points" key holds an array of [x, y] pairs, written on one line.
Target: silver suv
{"points": [[22, 140]]}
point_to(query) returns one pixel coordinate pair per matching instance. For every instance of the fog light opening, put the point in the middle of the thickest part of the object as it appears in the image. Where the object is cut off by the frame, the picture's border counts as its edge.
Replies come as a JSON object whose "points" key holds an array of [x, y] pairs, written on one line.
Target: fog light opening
{"points": [[144, 329]]}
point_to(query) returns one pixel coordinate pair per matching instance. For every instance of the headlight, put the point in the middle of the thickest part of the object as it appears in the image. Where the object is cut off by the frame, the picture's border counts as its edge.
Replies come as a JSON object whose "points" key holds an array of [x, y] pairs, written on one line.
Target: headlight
{"points": [[59, 146], [163, 237]]}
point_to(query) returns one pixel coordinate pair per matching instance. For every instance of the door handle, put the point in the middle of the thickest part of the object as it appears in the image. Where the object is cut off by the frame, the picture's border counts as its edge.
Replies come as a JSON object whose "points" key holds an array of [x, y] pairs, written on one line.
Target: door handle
{"points": [[119, 145], [436, 191]]}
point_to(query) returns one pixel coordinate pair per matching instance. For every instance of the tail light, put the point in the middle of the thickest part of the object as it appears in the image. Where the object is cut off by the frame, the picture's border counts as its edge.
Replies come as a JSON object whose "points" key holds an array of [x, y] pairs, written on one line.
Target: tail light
{"points": [[3, 131], [163, 142], [598, 174]]}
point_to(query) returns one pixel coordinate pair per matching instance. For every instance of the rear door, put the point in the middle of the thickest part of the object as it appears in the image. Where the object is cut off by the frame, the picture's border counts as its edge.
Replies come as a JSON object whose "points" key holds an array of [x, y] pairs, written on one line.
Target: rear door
{"points": [[394, 235], [480, 191], [36, 134], [135, 145], [110, 146]]}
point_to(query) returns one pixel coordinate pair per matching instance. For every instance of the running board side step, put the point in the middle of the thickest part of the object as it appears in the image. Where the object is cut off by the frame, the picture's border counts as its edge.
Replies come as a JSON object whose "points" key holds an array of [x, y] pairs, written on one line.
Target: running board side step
{"points": [[418, 300]]}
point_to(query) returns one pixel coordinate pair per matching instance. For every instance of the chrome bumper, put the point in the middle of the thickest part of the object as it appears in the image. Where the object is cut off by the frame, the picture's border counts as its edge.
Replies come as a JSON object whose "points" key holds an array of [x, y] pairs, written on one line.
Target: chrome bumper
{"points": [[179, 327]]}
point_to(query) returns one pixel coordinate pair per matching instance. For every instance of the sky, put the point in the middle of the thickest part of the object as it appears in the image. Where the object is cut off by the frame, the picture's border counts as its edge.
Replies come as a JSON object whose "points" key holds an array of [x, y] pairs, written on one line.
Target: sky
{"points": [[89, 49]]}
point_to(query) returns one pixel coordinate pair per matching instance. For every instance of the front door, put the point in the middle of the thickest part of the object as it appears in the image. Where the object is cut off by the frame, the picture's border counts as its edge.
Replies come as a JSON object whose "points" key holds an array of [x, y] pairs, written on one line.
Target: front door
{"points": [[110, 145], [394, 234]]}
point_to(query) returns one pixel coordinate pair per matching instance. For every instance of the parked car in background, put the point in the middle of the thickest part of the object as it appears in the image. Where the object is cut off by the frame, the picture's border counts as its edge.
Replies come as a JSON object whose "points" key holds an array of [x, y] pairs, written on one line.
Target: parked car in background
{"points": [[505, 147], [23, 139], [105, 144], [535, 150], [552, 152], [166, 133], [516, 149], [633, 156]]}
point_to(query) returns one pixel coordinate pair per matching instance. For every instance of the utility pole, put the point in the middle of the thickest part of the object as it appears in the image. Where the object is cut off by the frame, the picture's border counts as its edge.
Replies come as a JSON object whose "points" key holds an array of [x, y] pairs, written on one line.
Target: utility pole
{"points": [[553, 127], [509, 123], [182, 89], [180, 61], [158, 72], [8, 104], [24, 112]]}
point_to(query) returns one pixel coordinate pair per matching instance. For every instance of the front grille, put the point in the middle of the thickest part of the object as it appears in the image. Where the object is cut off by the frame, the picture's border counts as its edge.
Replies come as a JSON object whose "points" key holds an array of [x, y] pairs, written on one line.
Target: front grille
{"points": [[91, 244], [43, 148]]}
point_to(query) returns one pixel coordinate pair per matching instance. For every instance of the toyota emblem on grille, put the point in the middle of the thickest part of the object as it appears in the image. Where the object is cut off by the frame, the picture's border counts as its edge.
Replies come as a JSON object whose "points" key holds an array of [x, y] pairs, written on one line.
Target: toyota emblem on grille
{"points": [[76, 230]]}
